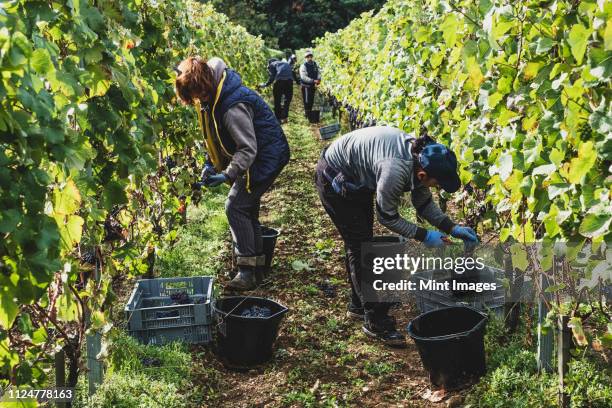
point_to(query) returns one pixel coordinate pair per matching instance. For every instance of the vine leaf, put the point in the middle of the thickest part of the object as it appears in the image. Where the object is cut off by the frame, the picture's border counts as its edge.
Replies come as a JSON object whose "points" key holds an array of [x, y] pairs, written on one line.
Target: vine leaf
{"points": [[40, 60], [519, 257], [578, 39], [576, 325], [8, 307], [595, 225], [67, 200], [580, 166]]}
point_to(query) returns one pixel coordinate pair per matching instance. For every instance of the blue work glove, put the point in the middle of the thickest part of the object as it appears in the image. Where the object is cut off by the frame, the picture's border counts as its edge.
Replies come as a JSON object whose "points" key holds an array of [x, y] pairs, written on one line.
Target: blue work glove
{"points": [[465, 233], [215, 180], [342, 186], [433, 239], [207, 171]]}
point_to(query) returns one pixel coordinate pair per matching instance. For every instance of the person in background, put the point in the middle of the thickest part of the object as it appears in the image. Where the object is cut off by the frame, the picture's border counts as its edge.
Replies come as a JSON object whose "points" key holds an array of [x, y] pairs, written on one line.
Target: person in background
{"points": [[282, 76], [310, 78], [383, 163], [247, 148], [294, 68]]}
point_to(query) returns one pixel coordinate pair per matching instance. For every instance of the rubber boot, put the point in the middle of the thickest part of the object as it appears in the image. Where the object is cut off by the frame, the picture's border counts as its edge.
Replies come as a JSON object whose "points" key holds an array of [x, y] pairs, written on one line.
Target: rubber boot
{"points": [[245, 279], [232, 272], [260, 270]]}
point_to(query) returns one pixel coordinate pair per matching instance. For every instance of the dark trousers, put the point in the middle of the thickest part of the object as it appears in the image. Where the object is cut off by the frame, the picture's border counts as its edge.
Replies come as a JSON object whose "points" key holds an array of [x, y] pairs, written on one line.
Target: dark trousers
{"points": [[242, 210], [308, 94], [282, 88], [354, 218]]}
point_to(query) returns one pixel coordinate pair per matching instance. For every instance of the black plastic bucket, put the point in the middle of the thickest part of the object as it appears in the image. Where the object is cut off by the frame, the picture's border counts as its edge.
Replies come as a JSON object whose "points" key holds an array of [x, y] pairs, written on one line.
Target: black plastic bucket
{"points": [[244, 342], [390, 239], [451, 344], [269, 236], [387, 246]]}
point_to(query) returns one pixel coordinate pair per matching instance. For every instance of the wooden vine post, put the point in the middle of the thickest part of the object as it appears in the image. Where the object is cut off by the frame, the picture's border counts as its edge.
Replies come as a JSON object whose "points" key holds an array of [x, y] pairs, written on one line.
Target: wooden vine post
{"points": [[60, 374], [563, 357], [95, 368], [545, 339]]}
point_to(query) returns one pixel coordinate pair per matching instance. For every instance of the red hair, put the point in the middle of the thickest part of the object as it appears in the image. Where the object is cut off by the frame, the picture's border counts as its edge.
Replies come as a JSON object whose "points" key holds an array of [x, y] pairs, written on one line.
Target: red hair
{"points": [[195, 80]]}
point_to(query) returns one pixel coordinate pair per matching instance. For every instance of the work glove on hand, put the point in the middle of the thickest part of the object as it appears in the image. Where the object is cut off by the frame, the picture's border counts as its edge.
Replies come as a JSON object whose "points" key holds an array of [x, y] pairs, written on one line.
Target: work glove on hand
{"points": [[467, 234], [207, 171], [434, 239], [342, 186], [215, 180]]}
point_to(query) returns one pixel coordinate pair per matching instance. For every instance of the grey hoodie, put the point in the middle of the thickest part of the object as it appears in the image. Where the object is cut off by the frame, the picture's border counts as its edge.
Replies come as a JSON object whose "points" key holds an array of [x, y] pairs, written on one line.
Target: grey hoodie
{"points": [[238, 121], [379, 158]]}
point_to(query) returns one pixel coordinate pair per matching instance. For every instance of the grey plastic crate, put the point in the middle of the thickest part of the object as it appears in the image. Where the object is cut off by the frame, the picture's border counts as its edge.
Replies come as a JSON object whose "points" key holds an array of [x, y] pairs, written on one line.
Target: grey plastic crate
{"points": [[327, 132], [428, 300], [153, 320]]}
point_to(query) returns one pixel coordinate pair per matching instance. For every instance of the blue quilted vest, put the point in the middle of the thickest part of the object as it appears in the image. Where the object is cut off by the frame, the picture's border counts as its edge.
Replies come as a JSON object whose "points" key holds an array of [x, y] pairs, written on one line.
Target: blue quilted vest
{"points": [[272, 146]]}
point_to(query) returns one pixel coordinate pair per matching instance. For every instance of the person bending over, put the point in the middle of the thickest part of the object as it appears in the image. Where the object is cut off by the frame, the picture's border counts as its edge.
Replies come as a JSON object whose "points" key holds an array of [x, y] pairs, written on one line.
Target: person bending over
{"points": [[247, 149], [281, 74], [377, 165]]}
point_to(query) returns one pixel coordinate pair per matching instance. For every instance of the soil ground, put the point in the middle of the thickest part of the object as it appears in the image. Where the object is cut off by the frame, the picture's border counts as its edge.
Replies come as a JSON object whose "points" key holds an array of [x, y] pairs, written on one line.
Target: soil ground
{"points": [[321, 357]]}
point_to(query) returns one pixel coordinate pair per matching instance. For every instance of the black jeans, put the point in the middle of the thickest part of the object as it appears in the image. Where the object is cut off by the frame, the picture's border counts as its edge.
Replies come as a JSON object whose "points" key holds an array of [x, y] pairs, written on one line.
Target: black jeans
{"points": [[354, 218], [308, 94], [282, 87], [242, 210]]}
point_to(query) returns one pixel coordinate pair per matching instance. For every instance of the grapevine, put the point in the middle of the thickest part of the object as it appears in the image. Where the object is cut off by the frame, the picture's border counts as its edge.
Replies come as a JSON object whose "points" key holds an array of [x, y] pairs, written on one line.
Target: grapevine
{"points": [[521, 92], [95, 168]]}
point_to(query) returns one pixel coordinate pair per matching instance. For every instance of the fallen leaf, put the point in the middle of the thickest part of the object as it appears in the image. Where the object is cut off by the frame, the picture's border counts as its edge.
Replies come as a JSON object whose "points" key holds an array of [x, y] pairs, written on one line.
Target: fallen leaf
{"points": [[434, 396], [315, 386]]}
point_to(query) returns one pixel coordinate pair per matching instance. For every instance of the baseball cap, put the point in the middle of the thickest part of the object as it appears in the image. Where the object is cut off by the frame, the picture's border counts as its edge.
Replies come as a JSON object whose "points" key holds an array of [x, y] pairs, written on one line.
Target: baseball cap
{"points": [[441, 163], [308, 53]]}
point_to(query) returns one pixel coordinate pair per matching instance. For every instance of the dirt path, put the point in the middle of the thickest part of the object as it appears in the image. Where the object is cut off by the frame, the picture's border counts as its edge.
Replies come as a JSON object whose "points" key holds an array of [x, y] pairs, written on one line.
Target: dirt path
{"points": [[321, 358]]}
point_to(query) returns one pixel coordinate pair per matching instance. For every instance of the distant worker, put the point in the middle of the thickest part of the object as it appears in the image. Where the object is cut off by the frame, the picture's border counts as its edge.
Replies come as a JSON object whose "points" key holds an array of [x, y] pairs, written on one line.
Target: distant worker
{"points": [[310, 78], [282, 76]]}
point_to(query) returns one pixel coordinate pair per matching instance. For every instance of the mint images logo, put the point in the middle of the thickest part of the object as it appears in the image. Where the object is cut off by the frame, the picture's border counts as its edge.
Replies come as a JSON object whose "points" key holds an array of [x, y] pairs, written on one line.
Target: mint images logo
{"points": [[434, 285]]}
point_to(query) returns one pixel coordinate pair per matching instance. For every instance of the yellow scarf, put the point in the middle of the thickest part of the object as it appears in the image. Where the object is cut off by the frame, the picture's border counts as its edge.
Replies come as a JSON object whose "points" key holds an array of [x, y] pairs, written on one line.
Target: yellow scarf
{"points": [[217, 152]]}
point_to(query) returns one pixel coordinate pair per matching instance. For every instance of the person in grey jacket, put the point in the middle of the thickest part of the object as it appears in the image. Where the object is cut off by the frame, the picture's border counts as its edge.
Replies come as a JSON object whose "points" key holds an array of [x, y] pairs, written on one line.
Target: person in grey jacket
{"points": [[282, 76], [384, 162], [310, 78]]}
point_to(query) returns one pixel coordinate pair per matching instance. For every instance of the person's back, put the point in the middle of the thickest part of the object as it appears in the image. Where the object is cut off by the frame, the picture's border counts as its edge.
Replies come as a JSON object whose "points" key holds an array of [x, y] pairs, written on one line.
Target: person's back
{"points": [[357, 154], [282, 70], [281, 74]]}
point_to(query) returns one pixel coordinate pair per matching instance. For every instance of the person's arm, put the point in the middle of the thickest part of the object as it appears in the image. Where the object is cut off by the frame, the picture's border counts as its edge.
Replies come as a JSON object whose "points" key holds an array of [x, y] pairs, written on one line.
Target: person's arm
{"points": [[239, 123], [318, 72], [272, 75], [296, 75], [392, 175], [427, 208], [304, 75]]}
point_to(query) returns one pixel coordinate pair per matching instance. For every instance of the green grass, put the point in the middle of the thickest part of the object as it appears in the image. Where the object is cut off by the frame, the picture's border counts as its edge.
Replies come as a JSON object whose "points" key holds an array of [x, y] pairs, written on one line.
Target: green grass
{"points": [[512, 380], [200, 241], [199, 250], [141, 376]]}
